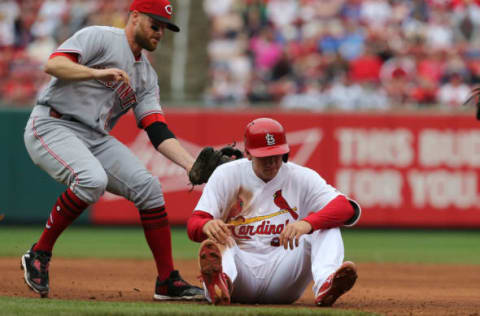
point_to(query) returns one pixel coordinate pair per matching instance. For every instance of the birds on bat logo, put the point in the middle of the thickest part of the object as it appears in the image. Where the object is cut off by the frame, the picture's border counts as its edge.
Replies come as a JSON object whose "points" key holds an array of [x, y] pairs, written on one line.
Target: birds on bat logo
{"points": [[280, 201]]}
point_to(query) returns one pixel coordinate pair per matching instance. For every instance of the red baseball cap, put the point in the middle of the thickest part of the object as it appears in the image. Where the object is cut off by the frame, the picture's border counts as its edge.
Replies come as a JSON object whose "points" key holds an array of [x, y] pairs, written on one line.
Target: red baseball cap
{"points": [[160, 10]]}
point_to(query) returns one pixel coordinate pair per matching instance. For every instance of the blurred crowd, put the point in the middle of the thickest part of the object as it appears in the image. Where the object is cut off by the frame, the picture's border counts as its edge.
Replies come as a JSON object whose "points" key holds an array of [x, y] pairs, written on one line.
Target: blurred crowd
{"points": [[346, 54], [30, 30]]}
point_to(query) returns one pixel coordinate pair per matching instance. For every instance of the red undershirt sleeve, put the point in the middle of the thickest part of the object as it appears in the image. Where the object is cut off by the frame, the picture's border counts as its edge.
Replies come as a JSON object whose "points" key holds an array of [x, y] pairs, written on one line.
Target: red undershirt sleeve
{"points": [[72, 56], [195, 225], [152, 118], [334, 214]]}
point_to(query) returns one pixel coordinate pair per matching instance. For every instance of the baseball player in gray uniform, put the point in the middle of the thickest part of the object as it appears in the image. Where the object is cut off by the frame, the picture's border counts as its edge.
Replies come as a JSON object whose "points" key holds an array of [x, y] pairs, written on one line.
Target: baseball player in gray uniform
{"points": [[99, 74]]}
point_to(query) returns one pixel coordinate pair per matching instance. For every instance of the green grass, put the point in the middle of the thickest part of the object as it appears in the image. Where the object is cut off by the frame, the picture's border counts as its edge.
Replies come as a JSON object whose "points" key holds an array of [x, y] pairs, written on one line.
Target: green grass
{"points": [[93, 242], [53, 307], [415, 246], [412, 246]]}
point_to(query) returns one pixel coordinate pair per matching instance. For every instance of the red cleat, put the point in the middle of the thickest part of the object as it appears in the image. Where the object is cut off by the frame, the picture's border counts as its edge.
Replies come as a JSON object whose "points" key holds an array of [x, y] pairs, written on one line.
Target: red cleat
{"points": [[337, 284], [218, 284]]}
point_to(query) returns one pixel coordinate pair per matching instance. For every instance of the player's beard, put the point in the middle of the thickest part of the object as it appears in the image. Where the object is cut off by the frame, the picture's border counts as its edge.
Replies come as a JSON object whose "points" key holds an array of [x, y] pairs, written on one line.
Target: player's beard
{"points": [[145, 42]]}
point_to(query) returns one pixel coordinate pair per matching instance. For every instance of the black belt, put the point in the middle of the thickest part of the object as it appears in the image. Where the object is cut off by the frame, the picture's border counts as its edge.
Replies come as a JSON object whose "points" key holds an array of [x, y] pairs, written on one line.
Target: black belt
{"points": [[54, 113]]}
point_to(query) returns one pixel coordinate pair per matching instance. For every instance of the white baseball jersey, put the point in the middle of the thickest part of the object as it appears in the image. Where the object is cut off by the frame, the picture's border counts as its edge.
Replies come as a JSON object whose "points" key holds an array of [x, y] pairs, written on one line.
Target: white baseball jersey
{"points": [[100, 104], [260, 210]]}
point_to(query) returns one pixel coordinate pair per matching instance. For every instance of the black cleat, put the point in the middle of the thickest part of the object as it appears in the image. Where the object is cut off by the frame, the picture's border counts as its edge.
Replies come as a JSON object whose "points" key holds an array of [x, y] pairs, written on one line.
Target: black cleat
{"points": [[35, 266], [174, 288]]}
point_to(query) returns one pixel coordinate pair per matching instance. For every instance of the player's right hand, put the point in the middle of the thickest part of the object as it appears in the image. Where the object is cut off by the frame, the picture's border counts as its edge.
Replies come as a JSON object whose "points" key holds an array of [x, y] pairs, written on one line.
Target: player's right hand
{"points": [[218, 231], [111, 74]]}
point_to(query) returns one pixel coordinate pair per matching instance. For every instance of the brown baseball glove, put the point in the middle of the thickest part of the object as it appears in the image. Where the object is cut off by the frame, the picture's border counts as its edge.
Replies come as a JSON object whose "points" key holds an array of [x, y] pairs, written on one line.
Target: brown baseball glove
{"points": [[208, 160]]}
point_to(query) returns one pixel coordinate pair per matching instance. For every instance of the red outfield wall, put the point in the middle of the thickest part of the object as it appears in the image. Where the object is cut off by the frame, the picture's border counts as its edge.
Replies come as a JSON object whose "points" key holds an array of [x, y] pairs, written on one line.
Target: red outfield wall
{"points": [[405, 170]]}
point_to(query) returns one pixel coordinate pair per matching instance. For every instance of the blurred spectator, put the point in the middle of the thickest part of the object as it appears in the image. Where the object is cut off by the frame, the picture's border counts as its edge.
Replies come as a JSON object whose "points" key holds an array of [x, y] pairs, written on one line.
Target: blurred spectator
{"points": [[345, 94], [311, 97], [455, 64], [266, 51], [424, 92], [258, 90], [24, 22], [110, 13], [454, 92], [438, 32], [431, 65], [41, 47], [79, 14], [282, 13], [352, 44], [9, 11], [332, 36], [375, 98], [48, 17], [255, 16], [397, 76], [366, 67], [375, 12], [224, 89]]}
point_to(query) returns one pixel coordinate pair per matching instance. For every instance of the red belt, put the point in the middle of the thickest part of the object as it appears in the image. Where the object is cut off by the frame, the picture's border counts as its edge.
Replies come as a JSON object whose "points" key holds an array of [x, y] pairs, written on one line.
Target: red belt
{"points": [[54, 113]]}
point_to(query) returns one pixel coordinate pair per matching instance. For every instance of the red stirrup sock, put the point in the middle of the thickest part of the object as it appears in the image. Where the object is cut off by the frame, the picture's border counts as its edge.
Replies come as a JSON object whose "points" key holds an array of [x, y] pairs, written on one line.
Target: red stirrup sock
{"points": [[67, 208], [157, 232]]}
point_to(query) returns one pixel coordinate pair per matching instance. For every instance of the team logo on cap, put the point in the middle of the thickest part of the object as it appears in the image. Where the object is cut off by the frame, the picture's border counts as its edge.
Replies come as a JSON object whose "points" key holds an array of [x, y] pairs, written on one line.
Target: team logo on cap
{"points": [[270, 139], [169, 9]]}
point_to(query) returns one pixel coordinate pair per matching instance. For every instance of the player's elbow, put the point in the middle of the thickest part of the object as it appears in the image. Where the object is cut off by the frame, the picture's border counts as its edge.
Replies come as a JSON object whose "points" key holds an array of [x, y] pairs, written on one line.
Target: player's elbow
{"points": [[49, 67], [56, 65]]}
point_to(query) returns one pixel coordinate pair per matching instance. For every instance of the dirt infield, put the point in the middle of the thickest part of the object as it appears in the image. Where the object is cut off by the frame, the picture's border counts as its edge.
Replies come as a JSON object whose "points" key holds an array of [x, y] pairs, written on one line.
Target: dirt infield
{"points": [[389, 289]]}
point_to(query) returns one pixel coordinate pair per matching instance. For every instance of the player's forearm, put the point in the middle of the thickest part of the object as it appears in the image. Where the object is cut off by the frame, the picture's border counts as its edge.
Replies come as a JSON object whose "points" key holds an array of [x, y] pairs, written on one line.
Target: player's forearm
{"points": [[334, 214], [65, 69], [195, 225], [172, 149]]}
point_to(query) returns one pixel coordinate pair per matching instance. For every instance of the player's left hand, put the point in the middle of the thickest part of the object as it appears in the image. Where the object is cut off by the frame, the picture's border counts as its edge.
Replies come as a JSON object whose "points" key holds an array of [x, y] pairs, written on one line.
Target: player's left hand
{"points": [[292, 232]]}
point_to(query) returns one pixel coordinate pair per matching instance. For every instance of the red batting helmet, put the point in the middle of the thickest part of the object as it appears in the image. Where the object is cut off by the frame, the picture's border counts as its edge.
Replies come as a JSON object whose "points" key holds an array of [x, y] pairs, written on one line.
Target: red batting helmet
{"points": [[265, 137]]}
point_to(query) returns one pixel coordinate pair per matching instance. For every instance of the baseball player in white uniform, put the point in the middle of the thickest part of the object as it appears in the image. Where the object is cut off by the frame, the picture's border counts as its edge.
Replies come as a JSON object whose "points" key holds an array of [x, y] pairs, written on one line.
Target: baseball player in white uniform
{"points": [[99, 74], [269, 226]]}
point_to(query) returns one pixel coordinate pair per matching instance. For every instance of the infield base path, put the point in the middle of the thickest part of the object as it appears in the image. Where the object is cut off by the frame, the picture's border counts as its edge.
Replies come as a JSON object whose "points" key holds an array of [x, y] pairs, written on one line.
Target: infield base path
{"points": [[389, 289]]}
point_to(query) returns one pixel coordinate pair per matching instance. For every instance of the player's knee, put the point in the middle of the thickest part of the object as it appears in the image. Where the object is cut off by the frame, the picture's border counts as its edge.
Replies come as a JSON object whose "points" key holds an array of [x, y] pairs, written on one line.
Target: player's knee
{"points": [[147, 192], [92, 186]]}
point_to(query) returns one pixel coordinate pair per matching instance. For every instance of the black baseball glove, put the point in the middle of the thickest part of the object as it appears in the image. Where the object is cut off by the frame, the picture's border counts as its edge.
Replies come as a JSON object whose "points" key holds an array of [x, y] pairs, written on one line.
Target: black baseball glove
{"points": [[208, 160]]}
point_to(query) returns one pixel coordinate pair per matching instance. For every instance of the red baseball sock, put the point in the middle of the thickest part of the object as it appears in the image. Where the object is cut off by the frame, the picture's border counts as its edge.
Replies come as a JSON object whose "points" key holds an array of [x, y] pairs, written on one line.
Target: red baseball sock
{"points": [[67, 208], [157, 232]]}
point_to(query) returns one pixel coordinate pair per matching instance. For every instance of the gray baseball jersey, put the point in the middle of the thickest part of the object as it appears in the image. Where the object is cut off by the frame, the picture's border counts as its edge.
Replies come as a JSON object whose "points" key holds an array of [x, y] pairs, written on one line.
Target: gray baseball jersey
{"points": [[90, 162], [100, 104]]}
